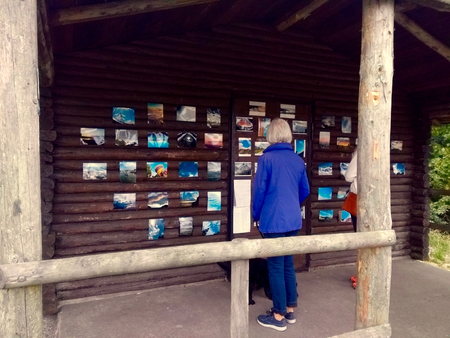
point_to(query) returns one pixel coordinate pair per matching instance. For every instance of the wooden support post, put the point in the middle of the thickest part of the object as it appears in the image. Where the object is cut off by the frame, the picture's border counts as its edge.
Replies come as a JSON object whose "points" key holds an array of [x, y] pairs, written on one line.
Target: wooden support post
{"points": [[20, 200], [239, 297], [374, 203]]}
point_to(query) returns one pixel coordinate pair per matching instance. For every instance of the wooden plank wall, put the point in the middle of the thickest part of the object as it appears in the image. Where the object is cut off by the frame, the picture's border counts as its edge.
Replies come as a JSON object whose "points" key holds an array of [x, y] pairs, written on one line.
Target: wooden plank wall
{"points": [[203, 69]]}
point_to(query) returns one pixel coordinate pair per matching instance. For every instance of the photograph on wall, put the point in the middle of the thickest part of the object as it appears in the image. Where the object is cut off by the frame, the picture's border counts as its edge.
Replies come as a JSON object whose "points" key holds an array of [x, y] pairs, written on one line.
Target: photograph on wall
{"points": [[299, 127], [156, 169], [325, 215], [325, 193], [155, 228], [263, 125], [303, 210], [157, 140], [342, 193], [244, 124], [328, 121], [299, 146], [155, 113], [124, 201], [158, 200], [92, 136], [214, 201], [186, 113], [245, 146], [345, 217], [186, 226], [343, 142], [189, 198], [94, 171], [396, 146], [343, 168], [324, 140], [126, 137], [213, 141], [213, 171], [127, 172], [260, 147], [287, 111], [210, 228], [213, 117], [346, 124], [123, 115], [256, 108], [256, 166], [325, 168], [398, 168], [188, 169], [242, 168], [186, 140]]}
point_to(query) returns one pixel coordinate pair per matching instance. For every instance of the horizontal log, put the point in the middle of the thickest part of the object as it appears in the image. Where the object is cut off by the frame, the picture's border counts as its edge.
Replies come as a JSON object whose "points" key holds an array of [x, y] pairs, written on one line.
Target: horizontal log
{"points": [[138, 277], [441, 227], [47, 219], [182, 185], [46, 207], [185, 240], [375, 332], [47, 113], [332, 255], [138, 286], [76, 268], [401, 253], [98, 154], [47, 195], [45, 146], [47, 135], [135, 214], [47, 183], [438, 192], [46, 123], [46, 170], [45, 157], [128, 225], [48, 252], [418, 256]]}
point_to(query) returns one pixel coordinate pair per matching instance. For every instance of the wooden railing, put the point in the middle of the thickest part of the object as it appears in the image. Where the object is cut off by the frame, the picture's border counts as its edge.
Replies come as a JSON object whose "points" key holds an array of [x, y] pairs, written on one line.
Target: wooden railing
{"points": [[239, 251]]}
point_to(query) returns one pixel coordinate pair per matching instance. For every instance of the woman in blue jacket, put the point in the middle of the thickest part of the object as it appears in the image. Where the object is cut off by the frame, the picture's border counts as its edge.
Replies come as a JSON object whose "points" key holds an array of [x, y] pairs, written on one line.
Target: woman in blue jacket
{"points": [[280, 186]]}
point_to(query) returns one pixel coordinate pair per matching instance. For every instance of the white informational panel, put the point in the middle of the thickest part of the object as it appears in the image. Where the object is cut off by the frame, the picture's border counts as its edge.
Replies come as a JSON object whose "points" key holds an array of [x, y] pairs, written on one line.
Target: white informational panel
{"points": [[241, 207]]}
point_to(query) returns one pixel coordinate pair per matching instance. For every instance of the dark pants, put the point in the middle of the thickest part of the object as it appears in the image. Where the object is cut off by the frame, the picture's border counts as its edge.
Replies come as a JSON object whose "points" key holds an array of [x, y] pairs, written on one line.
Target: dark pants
{"points": [[354, 219], [283, 284]]}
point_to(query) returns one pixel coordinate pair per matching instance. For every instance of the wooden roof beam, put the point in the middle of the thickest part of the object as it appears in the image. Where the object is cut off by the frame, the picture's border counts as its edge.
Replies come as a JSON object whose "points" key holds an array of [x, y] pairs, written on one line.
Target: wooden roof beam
{"points": [[439, 5], [45, 49], [301, 14], [108, 10], [422, 35]]}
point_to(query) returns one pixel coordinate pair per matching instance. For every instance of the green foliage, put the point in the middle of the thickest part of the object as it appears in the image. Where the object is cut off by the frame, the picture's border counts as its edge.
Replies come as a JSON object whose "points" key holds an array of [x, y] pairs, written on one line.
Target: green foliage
{"points": [[440, 172], [439, 248]]}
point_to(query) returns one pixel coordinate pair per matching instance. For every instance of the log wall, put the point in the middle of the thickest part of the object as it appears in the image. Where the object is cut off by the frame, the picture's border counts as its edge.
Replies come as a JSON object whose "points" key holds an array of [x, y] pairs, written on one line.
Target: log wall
{"points": [[203, 69]]}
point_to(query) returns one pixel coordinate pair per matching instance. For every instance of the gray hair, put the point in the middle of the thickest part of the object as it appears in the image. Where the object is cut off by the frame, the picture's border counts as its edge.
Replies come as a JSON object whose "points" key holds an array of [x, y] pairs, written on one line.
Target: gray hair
{"points": [[279, 132]]}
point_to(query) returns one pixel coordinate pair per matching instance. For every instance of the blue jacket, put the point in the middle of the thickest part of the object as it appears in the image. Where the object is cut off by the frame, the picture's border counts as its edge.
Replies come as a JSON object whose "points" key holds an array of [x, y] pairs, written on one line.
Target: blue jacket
{"points": [[280, 186]]}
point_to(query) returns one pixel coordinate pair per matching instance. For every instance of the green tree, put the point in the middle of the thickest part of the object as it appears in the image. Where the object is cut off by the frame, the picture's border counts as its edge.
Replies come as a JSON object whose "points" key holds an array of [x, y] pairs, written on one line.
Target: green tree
{"points": [[440, 172]]}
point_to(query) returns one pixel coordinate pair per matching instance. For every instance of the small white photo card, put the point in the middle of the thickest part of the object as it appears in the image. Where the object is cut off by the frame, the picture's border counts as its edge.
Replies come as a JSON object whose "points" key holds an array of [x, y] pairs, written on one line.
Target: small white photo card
{"points": [[94, 171], [157, 139], [186, 226], [124, 201], [343, 142], [396, 146], [244, 124], [346, 125], [303, 212], [242, 168], [325, 215], [186, 113], [126, 137], [92, 136], [189, 198], [263, 126], [345, 217], [213, 117], [123, 115], [210, 228], [287, 111], [328, 121], [343, 168], [300, 147], [155, 228], [398, 168], [156, 169], [214, 201], [158, 200], [342, 192], [325, 193], [324, 140], [188, 169], [213, 171], [127, 172], [186, 140], [260, 146], [155, 113], [245, 146], [256, 108], [325, 168], [213, 141], [299, 127]]}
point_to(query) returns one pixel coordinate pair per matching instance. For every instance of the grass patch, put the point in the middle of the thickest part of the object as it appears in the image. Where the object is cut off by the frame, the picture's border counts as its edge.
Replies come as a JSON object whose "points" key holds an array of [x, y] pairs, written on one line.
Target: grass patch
{"points": [[439, 248]]}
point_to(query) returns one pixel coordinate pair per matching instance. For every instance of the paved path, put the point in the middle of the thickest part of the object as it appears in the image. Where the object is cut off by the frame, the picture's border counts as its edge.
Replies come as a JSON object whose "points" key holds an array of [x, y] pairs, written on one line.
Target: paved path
{"points": [[420, 308]]}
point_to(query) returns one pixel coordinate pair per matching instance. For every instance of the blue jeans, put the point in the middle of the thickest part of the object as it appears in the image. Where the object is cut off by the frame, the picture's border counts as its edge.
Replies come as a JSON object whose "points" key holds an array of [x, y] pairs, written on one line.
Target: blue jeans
{"points": [[283, 284]]}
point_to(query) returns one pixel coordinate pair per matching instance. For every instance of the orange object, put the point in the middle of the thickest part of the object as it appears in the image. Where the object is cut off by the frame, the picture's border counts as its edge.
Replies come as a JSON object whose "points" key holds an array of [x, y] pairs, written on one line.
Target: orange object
{"points": [[350, 204]]}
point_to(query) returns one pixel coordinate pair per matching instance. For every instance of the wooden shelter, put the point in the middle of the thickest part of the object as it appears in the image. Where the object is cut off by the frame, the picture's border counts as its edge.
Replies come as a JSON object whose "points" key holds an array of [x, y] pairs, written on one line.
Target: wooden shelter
{"points": [[95, 56]]}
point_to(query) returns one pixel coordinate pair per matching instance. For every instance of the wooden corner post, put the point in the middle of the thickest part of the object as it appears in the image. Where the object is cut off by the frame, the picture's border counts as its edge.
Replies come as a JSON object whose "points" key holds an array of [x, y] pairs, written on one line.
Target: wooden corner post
{"points": [[20, 201], [374, 127]]}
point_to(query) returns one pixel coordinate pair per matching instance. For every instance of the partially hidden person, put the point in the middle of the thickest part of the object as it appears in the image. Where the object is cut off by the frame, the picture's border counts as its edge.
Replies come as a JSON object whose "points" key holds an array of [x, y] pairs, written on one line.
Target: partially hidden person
{"points": [[280, 186], [351, 202]]}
